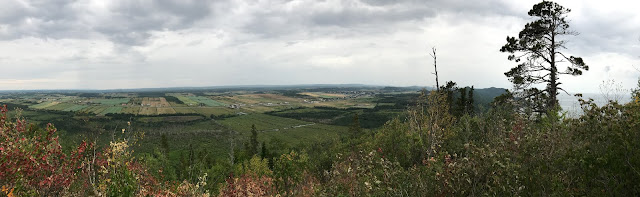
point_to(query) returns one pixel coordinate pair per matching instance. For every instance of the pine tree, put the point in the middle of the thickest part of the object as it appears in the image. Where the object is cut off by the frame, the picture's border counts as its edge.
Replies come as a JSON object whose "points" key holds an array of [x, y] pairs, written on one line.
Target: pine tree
{"points": [[539, 45], [164, 144], [471, 106], [355, 128], [253, 141], [264, 153]]}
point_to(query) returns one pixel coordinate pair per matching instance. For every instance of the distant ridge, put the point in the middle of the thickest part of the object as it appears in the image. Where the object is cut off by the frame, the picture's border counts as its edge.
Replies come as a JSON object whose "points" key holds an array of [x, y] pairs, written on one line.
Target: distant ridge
{"points": [[230, 88]]}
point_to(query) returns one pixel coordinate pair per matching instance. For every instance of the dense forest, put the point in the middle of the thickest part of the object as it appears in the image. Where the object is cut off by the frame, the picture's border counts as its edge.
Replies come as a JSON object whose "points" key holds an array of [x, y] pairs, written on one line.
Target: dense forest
{"points": [[441, 145]]}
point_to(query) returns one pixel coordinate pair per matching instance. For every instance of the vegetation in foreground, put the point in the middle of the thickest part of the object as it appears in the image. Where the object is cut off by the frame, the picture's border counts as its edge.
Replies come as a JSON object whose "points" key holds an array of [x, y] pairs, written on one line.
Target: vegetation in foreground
{"points": [[431, 153], [522, 146]]}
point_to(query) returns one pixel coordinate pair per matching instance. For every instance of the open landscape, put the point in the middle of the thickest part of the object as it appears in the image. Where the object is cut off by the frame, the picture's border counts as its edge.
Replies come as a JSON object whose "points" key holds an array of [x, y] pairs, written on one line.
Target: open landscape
{"points": [[235, 98]]}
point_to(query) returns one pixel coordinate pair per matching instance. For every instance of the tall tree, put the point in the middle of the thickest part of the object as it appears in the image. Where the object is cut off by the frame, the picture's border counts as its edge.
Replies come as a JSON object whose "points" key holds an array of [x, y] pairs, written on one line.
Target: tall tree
{"points": [[471, 107], [355, 128], [164, 144], [253, 141], [538, 53]]}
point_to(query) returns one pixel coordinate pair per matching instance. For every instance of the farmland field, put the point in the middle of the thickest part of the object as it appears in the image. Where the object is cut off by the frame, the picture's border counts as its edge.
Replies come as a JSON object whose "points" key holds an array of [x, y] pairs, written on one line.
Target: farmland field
{"points": [[206, 101], [184, 110], [94, 109], [112, 110], [44, 105], [186, 100], [216, 111], [166, 110], [155, 102], [323, 95], [130, 110], [148, 111], [286, 129], [117, 101], [75, 108], [60, 106]]}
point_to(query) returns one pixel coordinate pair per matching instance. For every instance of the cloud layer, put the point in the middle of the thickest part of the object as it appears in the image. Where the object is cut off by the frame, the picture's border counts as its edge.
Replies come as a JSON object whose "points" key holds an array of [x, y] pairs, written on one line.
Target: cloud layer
{"points": [[53, 44]]}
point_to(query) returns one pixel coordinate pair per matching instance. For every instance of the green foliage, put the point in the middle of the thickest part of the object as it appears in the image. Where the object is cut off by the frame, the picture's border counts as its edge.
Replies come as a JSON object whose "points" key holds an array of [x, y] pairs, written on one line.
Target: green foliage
{"points": [[289, 170], [539, 44], [254, 166]]}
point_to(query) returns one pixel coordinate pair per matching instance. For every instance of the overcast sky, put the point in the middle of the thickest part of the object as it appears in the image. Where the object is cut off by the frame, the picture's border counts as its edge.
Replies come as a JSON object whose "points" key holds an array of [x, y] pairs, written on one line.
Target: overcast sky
{"points": [[111, 44]]}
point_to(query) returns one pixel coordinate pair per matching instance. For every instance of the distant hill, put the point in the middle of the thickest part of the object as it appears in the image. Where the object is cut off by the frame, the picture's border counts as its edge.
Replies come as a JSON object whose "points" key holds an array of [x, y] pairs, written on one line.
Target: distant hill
{"points": [[482, 97]]}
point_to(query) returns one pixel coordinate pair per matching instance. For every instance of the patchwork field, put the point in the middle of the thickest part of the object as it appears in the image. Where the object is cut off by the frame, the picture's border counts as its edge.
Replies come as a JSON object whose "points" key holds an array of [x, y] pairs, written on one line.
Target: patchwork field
{"points": [[323, 95], [285, 129], [117, 101], [216, 111], [185, 99], [155, 102], [131, 110], [60, 106], [166, 110], [148, 111], [44, 105], [111, 110], [206, 101], [75, 108]]}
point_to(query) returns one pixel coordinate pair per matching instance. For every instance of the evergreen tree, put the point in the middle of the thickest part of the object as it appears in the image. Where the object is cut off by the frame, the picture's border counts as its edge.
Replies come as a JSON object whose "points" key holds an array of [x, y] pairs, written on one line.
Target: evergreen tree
{"points": [[264, 153], [462, 102], [470, 102], [253, 141], [538, 46], [164, 144], [355, 130]]}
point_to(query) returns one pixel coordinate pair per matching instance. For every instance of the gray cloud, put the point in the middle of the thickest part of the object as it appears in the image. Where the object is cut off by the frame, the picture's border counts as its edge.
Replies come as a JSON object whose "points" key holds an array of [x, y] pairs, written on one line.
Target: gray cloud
{"points": [[107, 44], [122, 21]]}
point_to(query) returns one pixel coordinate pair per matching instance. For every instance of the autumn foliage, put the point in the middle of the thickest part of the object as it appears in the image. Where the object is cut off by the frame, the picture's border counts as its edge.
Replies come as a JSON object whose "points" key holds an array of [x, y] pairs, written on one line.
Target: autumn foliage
{"points": [[32, 160]]}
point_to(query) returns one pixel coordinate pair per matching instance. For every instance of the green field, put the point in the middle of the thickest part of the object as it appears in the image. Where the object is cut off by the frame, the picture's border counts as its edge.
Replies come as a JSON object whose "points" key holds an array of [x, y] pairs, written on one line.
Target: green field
{"points": [[117, 101], [186, 100], [111, 110], [130, 110], [44, 105], [75, 108], [60, 106], [184, 110], [288, 130], [94, 109], [206, 101], [216, 111]]}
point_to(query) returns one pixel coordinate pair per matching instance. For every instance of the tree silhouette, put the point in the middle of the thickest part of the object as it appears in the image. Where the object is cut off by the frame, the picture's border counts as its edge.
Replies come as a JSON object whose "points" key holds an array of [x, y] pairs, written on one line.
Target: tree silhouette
{"points": [[538, 46], [253, 141]]}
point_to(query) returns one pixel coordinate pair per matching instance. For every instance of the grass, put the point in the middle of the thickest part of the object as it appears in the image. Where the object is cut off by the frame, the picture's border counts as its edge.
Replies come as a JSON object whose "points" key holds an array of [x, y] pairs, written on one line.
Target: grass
{"points": [[186, 100], [207, 101], [216, 111], [44, 105], [75, 108], [148, 111], [166, 110], [170, 119], [288, 130], [184, 110], [60, 106], [94, 109], [130, 110], [323, 95], [111, 110], [117, 101]]}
